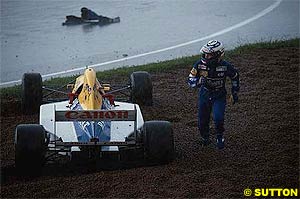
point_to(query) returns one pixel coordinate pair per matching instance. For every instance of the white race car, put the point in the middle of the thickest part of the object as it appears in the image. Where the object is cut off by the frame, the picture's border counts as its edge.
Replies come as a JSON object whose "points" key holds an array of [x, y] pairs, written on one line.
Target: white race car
{"points": [[91, 123]]}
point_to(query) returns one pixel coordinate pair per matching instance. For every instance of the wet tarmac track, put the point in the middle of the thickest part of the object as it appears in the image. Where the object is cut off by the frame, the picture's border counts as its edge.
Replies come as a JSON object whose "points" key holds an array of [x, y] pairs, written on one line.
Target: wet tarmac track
{"points": [[34, 40]]}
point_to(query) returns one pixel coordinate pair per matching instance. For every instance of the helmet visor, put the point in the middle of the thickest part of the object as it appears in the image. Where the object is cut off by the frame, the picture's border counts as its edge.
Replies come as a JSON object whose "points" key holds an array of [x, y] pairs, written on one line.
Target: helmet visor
{"points": [[209, 56]]}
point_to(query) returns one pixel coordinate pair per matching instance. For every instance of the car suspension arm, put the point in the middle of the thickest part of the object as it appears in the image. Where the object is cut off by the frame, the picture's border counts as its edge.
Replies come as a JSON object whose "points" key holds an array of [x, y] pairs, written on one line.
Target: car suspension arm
{"points": [[120, 89], [53, 91]]}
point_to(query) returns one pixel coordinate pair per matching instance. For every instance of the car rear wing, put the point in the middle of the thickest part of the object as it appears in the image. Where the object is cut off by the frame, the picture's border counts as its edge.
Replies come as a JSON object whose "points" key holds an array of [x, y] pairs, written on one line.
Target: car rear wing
{"points": [[96, 115]]}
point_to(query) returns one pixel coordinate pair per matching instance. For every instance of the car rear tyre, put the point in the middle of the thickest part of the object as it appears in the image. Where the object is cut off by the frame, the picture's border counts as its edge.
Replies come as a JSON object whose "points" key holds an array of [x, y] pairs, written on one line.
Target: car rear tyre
{"points": [[141, 88], [158, 141], [30, 148], [31, 93]]}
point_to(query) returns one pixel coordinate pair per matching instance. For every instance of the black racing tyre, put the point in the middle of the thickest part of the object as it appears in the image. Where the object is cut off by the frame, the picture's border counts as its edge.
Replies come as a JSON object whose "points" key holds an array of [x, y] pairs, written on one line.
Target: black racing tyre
{"points": [[31, 93], [30, 148], [158, 141], [141, 88]]}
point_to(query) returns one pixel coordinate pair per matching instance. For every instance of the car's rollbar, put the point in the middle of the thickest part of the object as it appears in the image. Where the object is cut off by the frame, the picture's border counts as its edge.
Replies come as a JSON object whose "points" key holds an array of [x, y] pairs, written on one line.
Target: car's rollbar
{"points": [[95, 115]]}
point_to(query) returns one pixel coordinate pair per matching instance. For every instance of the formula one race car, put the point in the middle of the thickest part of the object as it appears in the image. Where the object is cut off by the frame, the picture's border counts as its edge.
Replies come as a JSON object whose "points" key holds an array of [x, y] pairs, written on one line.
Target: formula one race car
{"points": [[74, 20], [90, 123]]}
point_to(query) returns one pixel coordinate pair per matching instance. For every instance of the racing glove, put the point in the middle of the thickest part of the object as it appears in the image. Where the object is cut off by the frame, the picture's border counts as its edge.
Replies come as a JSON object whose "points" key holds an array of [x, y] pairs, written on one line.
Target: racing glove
{"points": [[193, 81], [234, 91], [235, 97]]}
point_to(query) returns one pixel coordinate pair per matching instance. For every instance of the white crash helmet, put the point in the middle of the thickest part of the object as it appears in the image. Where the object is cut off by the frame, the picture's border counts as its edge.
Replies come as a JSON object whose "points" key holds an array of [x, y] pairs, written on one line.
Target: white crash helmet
{"points": [[214, 48]]}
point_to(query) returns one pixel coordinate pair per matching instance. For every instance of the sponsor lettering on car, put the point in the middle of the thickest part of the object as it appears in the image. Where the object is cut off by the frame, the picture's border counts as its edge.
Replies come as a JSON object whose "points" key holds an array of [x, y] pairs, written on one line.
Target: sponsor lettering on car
{"points": [[84, 115]]}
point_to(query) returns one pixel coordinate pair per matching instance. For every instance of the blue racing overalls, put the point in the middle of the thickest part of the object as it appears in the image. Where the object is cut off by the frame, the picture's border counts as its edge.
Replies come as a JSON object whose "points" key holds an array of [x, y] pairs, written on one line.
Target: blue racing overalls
{"points": [[211, 79]]}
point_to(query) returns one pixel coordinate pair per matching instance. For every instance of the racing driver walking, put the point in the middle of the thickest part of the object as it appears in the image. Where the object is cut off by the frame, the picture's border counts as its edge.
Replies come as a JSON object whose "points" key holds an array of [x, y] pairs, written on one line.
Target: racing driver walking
{"points": [[209, 75]]}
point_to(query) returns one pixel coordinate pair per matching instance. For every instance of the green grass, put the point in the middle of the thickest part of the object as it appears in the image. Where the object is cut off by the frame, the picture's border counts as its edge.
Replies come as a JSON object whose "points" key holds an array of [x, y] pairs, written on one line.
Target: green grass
{"points": [[266, 45], [14, 91]]}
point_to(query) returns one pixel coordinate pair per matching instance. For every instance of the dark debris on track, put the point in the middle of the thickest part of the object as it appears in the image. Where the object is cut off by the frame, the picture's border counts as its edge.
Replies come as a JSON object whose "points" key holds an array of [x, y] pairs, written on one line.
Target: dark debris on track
{"points": [[262, 141]]}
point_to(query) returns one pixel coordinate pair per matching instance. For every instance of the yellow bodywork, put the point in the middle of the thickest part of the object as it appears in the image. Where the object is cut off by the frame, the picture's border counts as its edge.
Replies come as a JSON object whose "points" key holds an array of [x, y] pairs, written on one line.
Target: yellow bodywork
{"points": [[88, 89]]}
